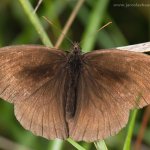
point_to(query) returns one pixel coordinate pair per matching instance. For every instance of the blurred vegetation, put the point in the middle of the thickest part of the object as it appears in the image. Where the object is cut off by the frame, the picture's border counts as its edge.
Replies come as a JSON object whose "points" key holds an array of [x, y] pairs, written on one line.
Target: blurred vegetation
{"points": [[130, 26]]}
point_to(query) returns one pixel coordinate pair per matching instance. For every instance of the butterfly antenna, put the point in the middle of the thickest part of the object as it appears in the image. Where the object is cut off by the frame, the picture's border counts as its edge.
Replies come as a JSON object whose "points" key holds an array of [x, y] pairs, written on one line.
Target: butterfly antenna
{"points": [[37, 6], [51, 23], [99, 29], [104, 26]]}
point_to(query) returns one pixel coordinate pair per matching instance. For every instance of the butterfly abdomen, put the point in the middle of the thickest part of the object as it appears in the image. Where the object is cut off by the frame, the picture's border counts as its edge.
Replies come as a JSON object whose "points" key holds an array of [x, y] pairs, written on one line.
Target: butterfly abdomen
{"points": [[74, 69]]}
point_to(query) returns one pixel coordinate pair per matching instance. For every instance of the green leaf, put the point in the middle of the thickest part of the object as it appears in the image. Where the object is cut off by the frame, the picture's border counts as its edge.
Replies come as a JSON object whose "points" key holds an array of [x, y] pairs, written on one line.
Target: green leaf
{"points": [[100, 145], [95, 19], [35, 21], [75, 144], [127, 143]]}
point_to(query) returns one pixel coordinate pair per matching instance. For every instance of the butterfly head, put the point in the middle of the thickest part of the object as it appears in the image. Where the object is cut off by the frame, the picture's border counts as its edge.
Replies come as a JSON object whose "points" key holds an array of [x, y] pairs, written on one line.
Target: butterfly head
{"points": [[76, 48]]}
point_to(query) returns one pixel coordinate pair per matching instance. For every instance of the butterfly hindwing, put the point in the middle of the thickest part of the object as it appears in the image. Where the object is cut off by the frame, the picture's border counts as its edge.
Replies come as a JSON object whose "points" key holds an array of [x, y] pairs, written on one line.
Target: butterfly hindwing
{"points": [[33, 78]]}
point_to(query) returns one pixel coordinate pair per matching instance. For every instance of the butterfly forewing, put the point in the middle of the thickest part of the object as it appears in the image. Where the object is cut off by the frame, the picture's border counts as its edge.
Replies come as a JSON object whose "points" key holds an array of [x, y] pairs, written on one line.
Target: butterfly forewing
{"points": [[111, 83], [33, 78]]}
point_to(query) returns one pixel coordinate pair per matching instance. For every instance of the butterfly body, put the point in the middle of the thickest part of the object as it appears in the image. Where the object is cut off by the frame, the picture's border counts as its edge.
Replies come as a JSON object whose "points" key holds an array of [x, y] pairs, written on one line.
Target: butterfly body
{"points": [[74, 66], [83, 96]]}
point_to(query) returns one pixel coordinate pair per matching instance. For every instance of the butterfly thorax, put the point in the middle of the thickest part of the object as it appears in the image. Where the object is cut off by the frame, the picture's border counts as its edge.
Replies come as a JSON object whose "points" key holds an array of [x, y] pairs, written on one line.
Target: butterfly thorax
{"points": [[74, 68], [74, 59]]}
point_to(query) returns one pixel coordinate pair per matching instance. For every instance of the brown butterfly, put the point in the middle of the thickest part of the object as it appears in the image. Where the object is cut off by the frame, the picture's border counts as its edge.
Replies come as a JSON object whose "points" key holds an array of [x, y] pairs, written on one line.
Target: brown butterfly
{"points": [[83, 96]]}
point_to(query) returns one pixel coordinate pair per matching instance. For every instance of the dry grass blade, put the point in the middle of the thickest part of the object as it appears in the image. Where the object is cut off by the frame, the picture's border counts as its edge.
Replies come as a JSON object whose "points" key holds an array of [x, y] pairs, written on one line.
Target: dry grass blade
{"points": [[142, 129], [142, 47], [69, 22]]}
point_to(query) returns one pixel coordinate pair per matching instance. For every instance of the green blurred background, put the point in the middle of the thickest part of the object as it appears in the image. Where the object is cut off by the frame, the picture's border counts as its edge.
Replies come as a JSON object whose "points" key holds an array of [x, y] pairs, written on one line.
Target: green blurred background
{"points": [[131, 25]]}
